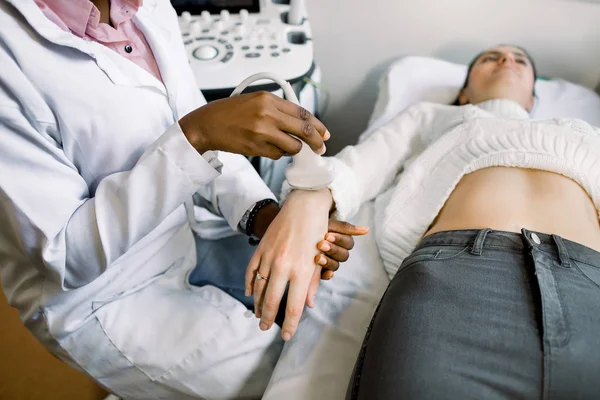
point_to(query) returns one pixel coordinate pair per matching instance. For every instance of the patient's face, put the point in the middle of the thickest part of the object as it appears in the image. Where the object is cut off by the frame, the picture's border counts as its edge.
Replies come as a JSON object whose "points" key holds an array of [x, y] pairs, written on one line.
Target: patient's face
{"points": [[502, 72]]}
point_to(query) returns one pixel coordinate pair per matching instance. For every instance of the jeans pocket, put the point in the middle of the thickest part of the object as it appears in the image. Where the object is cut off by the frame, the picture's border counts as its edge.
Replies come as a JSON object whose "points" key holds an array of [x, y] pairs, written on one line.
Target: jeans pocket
{"points": [[423, 254], [432, 254], [591, 272], [449, 252]]}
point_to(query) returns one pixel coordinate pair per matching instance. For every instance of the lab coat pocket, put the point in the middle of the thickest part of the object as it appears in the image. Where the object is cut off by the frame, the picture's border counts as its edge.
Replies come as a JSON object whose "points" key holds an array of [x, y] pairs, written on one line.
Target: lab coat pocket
{"points": [[101, 302], [157, 327]]}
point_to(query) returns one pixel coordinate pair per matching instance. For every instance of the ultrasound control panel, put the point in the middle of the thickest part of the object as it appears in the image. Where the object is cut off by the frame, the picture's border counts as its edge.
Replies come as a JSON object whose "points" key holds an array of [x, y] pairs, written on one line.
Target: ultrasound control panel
{"points": [[226, 41]]}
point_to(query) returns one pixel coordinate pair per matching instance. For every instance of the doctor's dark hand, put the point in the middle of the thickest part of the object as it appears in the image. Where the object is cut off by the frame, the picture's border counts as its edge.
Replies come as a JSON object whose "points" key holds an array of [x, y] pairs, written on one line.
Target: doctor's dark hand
{"points": [[254, 124]]}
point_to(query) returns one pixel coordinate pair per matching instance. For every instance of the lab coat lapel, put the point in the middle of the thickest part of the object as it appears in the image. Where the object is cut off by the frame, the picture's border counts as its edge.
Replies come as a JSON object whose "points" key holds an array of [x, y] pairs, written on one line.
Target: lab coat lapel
{"points": [[158, 37]]}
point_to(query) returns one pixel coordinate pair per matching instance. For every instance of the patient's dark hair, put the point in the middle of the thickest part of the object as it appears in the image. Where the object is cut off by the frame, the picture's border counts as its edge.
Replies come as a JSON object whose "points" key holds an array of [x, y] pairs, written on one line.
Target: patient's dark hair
{"points": [[472, 64]]}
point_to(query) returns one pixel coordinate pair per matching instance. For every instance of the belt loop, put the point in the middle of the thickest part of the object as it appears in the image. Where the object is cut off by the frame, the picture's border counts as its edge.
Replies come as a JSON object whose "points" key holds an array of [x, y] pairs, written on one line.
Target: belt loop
{"points": [[563, 254], [526, 238], [477, 248]]}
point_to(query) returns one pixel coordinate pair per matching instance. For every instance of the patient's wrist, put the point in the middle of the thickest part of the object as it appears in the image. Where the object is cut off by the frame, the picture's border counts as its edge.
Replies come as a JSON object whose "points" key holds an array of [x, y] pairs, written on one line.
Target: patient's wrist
{"points": [[315, 199]]}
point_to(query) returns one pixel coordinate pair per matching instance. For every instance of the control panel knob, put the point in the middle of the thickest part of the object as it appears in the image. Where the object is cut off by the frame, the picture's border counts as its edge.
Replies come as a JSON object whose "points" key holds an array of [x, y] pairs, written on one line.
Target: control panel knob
{"points": [[296, 13], [205, 15], [244, 15], [186, 16], [224, 15], [195, 27]]}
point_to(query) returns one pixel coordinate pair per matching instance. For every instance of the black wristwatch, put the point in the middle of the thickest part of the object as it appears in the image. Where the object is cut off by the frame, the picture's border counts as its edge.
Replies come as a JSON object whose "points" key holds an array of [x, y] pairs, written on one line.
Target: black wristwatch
{"points": [[249, 219]]}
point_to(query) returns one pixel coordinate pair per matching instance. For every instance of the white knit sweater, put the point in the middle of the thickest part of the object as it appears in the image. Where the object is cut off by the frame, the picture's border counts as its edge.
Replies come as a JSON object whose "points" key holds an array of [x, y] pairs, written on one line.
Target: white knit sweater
{"points": [[411, 165]]}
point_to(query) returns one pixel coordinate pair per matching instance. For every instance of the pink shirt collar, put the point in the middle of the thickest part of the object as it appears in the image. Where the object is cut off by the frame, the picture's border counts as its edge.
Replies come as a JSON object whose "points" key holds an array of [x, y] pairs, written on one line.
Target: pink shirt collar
{"points": [[82, 19], [81, 15]]}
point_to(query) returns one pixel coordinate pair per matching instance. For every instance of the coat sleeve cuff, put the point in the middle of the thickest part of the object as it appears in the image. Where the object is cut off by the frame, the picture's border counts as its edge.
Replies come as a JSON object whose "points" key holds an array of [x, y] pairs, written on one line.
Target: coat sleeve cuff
{"points": [[180, 152]]}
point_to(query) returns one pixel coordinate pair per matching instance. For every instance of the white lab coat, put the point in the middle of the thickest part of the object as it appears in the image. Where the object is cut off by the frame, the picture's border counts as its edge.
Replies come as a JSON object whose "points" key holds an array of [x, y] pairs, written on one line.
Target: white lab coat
{"points": [[95, 239]]}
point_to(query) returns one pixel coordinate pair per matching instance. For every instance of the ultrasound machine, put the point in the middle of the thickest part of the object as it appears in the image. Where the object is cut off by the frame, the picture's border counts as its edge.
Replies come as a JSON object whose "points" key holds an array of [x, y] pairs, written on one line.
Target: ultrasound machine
{"points": [[229, 40]]}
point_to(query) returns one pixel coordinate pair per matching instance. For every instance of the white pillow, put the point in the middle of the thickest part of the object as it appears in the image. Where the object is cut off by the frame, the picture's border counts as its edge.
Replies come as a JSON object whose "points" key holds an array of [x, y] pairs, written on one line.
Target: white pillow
{"points": [[414, 79]]}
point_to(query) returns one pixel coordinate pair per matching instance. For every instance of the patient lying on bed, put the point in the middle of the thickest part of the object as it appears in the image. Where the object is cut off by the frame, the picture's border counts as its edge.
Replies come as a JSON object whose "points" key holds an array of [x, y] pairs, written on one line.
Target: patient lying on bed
{"points": [[468, 201]]}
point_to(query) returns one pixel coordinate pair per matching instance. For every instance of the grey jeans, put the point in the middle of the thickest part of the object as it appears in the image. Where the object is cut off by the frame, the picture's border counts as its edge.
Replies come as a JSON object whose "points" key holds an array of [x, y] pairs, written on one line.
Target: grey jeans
{"points": [[482, 314]]}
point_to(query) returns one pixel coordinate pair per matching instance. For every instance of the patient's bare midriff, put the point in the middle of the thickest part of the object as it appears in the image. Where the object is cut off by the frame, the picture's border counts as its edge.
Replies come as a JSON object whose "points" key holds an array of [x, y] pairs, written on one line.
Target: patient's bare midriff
{"points": [[509, 199]]}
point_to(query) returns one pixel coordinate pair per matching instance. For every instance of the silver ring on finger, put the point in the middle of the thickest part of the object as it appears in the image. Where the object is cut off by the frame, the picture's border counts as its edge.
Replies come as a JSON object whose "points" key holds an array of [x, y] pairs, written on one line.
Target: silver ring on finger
{"points": [[260, 277]]}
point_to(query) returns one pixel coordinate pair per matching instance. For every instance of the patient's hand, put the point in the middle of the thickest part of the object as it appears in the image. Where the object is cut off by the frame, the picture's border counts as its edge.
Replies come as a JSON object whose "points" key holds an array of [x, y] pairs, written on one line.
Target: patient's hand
{"points": [[288, 253]]}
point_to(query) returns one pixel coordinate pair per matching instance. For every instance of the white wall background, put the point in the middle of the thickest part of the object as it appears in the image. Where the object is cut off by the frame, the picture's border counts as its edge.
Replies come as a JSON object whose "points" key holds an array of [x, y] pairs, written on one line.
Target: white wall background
{"points": [[355, 40]]}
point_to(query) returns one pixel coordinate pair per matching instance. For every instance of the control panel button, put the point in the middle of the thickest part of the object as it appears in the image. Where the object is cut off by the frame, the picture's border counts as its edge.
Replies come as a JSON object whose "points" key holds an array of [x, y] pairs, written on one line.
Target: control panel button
{"points": [[252, 55], [286, 50], [237, 38], [297, 37], [245, 47], [205, 52], [274, 54], [273, 46], [227, 57], [228, 46], [260, 47]]}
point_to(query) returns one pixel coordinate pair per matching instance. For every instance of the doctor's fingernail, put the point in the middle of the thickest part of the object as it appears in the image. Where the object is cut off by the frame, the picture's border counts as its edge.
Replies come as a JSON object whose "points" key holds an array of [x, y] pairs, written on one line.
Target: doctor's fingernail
{"points": [[322, 150], [330, 238], [325, 247], [263, 326], [322, 260], [327, 135], [286, 336]]}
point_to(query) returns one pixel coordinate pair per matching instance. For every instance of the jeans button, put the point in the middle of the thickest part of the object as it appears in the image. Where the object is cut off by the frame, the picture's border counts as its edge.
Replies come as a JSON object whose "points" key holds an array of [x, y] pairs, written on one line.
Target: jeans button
{"points": [[536, 238]]}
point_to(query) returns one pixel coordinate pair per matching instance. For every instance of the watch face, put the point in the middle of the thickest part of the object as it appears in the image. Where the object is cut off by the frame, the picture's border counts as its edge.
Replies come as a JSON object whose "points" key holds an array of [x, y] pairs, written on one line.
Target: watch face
{"points": [[195, 7]]}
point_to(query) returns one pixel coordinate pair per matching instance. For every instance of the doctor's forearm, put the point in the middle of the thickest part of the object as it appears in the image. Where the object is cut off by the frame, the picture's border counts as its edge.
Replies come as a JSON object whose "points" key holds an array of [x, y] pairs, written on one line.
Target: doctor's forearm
{"points": [[265, 216]]}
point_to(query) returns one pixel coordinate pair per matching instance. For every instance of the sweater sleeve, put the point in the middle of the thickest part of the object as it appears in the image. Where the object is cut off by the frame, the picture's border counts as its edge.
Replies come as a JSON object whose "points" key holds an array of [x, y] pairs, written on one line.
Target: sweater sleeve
{"points": [[363, 171]]}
